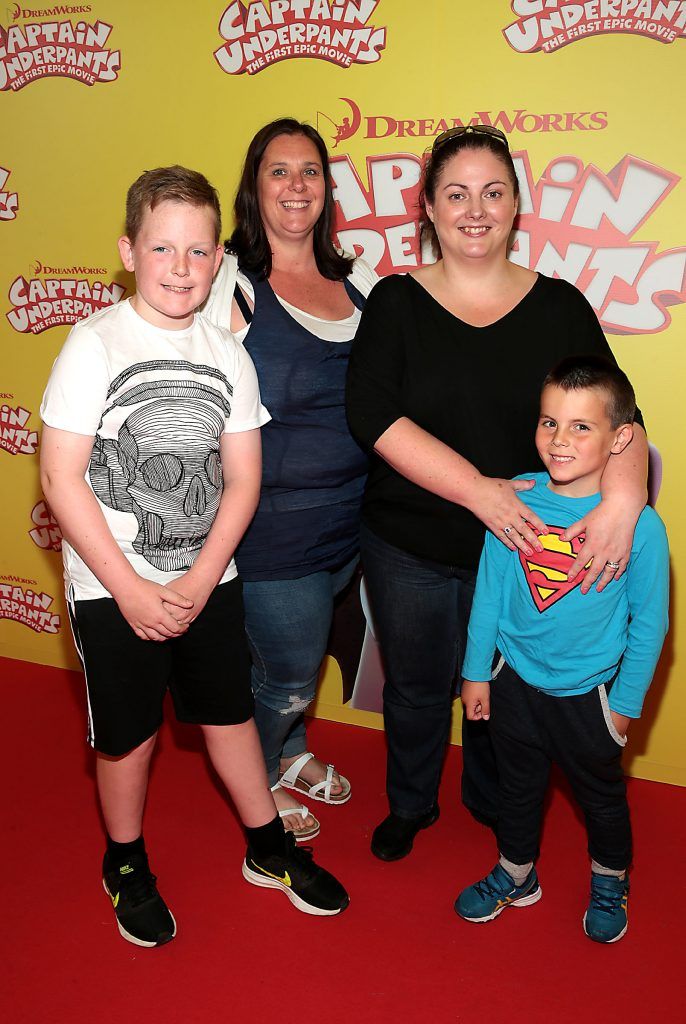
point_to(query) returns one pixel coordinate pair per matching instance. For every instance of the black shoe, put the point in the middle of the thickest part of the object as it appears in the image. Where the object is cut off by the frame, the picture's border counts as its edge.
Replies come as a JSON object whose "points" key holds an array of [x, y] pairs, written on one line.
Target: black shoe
{"points": [[309, 887], [142, 915], [393, 838]]}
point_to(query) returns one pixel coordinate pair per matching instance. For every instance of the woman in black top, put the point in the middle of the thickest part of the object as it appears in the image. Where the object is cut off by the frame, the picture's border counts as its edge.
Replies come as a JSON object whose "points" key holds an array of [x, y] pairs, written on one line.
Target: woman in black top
{"points": [[443, 388]]}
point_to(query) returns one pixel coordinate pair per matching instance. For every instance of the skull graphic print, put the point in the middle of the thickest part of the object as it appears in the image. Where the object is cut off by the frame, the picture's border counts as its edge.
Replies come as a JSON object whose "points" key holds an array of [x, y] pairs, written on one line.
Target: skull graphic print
{"points": [[163, 466]]}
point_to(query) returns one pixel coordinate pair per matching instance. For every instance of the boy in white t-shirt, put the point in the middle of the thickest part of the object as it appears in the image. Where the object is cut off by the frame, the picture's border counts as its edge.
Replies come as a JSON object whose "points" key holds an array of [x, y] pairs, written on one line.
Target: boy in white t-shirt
{"points": [[151, 463]]}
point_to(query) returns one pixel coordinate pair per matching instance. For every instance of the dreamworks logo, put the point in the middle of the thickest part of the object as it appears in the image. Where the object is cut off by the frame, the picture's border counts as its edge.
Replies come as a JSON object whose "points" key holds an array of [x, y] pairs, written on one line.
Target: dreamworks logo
{"points": [[38, 269], [384, 126], [15, 12]]}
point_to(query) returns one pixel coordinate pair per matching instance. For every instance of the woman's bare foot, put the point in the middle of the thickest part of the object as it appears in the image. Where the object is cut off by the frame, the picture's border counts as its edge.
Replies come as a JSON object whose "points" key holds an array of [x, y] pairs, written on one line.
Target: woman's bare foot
{"points": [[312, 772], [292, 822]]}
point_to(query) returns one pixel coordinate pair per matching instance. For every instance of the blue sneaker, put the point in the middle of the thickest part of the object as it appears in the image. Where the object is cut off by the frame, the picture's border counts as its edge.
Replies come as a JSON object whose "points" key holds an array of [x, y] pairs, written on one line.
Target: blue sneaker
{"points": [[486, 899], [606, 919]]}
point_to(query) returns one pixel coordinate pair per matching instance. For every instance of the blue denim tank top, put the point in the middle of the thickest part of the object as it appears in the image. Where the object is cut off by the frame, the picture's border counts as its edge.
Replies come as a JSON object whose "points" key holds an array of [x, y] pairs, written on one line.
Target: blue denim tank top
{"points": [[313, 472]]}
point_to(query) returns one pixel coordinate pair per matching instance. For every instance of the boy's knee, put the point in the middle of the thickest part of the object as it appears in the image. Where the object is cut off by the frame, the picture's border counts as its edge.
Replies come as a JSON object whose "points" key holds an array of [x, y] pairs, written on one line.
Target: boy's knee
{"points": [[219, 733], [142, 752]]}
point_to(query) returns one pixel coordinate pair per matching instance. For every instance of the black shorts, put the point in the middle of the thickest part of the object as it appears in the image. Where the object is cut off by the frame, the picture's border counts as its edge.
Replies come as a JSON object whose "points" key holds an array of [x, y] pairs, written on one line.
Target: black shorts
{"points": [[207, 670]]}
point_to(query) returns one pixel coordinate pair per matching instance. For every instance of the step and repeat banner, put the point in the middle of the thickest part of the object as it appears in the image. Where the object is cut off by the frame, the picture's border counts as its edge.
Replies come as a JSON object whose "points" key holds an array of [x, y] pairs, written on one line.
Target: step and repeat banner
{"points": [[590, 95]]}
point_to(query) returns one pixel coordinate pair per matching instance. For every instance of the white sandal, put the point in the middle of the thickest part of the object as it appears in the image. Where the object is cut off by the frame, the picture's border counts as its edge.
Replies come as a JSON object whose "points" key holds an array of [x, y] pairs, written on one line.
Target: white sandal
{"points": [[320, 790], [301, 835]]}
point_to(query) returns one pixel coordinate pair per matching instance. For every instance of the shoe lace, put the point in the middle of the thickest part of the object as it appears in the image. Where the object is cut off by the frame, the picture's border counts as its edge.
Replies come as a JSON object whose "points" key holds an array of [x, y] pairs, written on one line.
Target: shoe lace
{"points": [[140, 886], [605, 901], [488, 887], [304, 854], [301, 858]]}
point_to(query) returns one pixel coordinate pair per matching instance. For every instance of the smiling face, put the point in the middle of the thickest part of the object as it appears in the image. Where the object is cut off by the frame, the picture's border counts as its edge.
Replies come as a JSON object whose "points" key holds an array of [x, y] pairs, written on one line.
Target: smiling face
{"points": [[575, 438], [290, 188], [175, 256], [474, 205]]}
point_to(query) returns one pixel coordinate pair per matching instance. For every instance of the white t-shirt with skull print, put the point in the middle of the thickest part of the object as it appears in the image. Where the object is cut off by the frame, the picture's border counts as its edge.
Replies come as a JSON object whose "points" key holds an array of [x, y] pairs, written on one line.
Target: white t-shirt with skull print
{"points": [[156, 402]]}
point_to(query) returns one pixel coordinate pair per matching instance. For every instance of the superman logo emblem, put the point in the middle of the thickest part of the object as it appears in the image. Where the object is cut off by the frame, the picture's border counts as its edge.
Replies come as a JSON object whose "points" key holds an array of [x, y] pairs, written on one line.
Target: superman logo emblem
{"points": [[546, 572]]}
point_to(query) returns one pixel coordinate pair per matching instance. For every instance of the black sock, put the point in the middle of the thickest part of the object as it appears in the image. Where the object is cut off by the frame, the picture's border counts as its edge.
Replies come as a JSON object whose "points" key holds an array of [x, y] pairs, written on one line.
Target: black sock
{"points": [[268, 839], [119, 853]]}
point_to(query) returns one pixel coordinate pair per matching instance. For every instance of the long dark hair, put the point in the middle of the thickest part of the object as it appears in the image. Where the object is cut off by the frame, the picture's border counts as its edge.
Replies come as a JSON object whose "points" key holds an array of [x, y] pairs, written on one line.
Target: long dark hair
{"points": [[437, 161], [249, 240]]}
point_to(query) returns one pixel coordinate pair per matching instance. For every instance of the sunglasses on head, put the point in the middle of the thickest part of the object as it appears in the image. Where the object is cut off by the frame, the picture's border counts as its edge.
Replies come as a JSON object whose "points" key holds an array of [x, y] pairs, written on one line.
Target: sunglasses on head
{"points": [[469, 129]]}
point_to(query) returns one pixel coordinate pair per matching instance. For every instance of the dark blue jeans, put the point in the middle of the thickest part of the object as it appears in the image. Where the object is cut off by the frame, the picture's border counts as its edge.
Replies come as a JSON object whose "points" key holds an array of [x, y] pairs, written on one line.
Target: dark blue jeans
{"points": [[420, 611]]}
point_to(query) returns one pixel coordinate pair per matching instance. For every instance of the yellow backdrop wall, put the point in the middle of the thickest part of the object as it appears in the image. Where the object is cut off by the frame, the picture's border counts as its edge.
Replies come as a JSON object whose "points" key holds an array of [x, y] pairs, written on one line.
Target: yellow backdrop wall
{"points": [[590, 94]]}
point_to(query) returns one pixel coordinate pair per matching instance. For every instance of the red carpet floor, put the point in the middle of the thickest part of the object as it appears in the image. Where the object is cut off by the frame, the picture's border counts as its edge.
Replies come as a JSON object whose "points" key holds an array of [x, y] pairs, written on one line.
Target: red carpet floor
{"points": [[399, 953]]}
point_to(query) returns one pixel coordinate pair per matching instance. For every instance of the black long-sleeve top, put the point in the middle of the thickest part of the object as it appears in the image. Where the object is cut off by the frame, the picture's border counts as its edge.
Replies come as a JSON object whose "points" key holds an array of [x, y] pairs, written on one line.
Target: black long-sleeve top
{"points": [[477, 389]]}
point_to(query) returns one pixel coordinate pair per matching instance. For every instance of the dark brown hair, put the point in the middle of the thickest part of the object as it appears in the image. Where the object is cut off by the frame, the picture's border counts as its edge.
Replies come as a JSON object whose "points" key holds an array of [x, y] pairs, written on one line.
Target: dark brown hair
{"points": [[437, 161], [169, 184], [249, 240], [576, 373]]}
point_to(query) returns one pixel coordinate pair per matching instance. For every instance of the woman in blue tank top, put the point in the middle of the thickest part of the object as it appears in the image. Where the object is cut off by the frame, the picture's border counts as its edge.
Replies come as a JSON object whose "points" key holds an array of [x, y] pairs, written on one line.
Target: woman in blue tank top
{"points": [[295, 301]]}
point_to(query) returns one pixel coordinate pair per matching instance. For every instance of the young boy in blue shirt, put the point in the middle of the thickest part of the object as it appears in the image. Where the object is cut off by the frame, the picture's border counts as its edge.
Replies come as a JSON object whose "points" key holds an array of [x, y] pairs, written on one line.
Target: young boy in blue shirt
{"points": [[572, 670], [151, 462]]}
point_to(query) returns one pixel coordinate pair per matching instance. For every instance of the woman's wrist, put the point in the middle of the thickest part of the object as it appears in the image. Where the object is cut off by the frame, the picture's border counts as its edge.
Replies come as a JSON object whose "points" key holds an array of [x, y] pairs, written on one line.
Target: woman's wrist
{"points": [[472, 492]]}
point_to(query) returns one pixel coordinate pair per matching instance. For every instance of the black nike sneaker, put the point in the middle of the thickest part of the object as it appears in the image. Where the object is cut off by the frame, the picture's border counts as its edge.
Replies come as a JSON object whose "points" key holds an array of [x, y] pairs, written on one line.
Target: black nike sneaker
{"points": [[142, 915], [310, 888]]}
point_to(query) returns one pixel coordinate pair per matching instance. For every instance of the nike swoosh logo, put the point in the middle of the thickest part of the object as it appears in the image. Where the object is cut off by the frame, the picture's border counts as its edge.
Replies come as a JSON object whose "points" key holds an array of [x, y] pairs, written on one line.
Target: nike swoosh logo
{"points": [[285, 879]]}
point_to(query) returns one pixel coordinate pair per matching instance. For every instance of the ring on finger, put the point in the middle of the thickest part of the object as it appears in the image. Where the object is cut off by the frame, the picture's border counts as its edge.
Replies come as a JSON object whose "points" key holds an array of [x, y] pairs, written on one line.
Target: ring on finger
{"points": [[507, 530], [612, 565]]}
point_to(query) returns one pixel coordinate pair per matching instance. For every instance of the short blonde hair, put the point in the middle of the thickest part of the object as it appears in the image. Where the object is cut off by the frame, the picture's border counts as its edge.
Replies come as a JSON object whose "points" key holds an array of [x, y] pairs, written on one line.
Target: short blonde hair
{"points": [[174, 184]]}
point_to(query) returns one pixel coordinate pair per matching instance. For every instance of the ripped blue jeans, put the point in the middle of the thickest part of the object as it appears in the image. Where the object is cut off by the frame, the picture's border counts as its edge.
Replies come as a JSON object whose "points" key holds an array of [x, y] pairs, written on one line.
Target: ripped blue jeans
{"points": [[288, 624]]}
